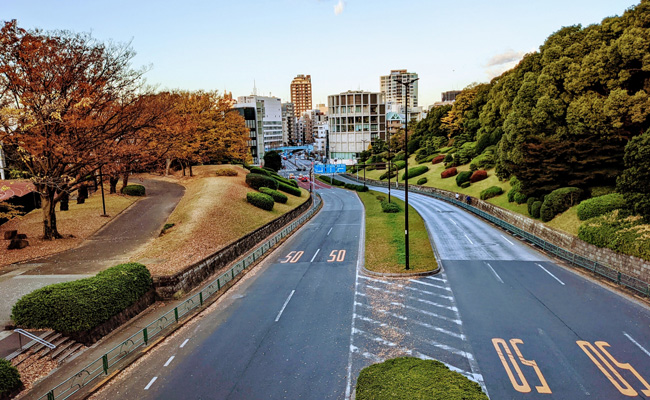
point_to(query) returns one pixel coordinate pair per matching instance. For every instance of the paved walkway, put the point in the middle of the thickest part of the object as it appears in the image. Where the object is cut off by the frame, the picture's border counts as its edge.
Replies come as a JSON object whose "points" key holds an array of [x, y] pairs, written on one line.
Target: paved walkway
{"points": [[111, 245]]}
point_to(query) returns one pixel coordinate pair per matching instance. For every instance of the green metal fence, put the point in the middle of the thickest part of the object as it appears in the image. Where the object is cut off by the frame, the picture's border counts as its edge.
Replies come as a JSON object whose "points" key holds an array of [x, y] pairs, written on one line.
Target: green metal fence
{"points": [[106, 363], [635, 284]]}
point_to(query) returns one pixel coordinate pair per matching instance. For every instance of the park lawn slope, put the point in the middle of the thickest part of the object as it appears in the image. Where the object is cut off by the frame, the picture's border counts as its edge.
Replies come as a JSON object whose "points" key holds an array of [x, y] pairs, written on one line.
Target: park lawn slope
{"points": [[212, 214], [385, 238]]}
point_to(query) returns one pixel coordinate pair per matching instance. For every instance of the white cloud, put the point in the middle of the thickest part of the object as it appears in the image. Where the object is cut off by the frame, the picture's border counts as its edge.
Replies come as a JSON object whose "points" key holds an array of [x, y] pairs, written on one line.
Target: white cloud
{"points": [[338, 8], [506, 57]]}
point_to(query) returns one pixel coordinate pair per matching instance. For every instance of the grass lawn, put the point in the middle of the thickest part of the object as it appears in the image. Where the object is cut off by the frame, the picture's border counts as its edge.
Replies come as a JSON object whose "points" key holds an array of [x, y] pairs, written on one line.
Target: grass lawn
{"points": [[385, 238], [212, 213]]}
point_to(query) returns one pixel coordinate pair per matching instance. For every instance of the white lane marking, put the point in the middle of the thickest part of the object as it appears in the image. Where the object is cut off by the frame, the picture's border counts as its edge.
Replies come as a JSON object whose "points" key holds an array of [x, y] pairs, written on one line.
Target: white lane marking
{"points": [[315, 254], [429, 313], [169, 361], [435, 278], [452, 221], [468, 239], [637, 344], [430, 284], [548, 272], [284, 306], [451, 308], [506, 239], [415, 321], [494, 272], [328, 232], [408, 287], [360, 256], [184, 343], [150, 383]]}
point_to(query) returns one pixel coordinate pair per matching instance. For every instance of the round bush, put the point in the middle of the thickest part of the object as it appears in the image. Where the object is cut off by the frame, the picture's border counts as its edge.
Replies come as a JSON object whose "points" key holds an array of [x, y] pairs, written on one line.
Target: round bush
{"points": [[422, 181], [407, 378], [399, 164], [449, 172], [535, 209], [390, 207], [600, 205], [260, 200], [385, 175], [438, 159], [83, 304], [529, 204], [226, 172], [478, 175], [133, 190], [559, 201], [520, 198], [277, 196], [492, 191], [448, 158], [463, 177], [415, 171], [9, 379], [256, 181]]}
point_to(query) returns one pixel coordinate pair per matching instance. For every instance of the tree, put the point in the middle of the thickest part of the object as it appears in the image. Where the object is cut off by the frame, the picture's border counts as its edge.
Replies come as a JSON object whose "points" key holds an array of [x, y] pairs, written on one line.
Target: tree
{"points": [[65, 99], [633, 182], [273, 160]]}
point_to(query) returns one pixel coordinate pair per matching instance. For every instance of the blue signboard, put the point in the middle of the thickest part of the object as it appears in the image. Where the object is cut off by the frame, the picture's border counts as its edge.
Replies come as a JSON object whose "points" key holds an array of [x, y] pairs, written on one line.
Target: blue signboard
{"points": [[340, 168], [329, 168], [319, 168]]}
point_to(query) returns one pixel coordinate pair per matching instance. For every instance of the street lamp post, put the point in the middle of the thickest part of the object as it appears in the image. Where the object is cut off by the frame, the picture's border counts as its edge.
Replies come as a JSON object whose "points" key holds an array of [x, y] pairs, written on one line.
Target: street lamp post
{"points": [[364, 162], [406, 85], [390, 169]]}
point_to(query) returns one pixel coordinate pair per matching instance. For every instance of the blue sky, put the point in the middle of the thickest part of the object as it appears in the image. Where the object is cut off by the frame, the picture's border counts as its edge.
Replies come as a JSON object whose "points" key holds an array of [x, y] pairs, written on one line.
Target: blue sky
{"points": [[343, 45]]}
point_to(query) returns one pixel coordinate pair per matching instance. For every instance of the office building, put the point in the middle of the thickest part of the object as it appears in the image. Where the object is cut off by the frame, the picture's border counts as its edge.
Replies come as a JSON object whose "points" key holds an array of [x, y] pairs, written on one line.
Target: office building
{"points": [[253, 116], [271, 119], [301, 94]]}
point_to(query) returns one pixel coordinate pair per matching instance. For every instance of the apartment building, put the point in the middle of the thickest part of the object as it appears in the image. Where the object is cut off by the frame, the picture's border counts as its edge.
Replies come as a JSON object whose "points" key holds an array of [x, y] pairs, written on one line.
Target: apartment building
{"points": [[395, 93], [271, 119], [289, 133], [253, 117], [301, 94]]}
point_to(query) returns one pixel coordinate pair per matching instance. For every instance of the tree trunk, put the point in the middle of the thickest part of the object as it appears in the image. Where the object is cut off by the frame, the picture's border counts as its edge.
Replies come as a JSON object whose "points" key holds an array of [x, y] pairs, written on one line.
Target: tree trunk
{"points": [[191, 170], [49, 215], [125, 180], [65, 198], [82, 194], [168, 163], [183, 165], [112, 181]]}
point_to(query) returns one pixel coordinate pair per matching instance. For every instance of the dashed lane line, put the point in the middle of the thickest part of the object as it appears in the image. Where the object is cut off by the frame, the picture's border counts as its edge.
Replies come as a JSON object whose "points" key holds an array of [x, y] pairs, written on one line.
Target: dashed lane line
{"points": [[548, 272], [284, 306], [506, 239], [315, 254], [184, 343], [494, 272], [150, 383], [468, 239], [330, 231], [169, 361], [637, 344], [430, 284]]}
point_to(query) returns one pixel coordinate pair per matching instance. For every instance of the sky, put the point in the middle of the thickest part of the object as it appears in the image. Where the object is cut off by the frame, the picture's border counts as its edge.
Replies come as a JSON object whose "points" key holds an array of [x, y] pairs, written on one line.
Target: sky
{"points": [[343, 44]]}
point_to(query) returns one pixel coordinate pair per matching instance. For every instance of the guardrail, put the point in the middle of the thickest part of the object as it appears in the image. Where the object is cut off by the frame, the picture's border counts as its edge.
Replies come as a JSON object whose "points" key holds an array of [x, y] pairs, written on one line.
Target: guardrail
{"points": [[635, 284], [22, 332], [104, 365]]}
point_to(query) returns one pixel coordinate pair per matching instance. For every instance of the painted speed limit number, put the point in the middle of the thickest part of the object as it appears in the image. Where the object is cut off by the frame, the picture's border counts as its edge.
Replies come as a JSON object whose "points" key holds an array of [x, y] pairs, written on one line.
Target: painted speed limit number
{"points": [[336, 256], [519, 381]]}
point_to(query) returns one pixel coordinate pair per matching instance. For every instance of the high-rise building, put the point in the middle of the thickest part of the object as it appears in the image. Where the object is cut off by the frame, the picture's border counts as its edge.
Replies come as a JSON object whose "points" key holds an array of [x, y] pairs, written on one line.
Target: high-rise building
{"points": [[356, 119], [450, 95], [271, 120], [253, 116], [289, 134], [301, 94], [395, 93]]}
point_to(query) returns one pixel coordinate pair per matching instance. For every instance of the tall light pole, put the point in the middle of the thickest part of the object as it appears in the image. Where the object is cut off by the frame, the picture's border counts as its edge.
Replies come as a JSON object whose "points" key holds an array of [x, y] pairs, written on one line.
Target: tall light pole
{"points": [[390, 169], [407, 85], [364, 162]]}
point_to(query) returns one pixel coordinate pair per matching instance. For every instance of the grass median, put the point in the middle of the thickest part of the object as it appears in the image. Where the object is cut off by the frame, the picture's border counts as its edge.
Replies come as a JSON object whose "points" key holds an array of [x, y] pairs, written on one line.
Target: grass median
{"points": [[385, 250]]}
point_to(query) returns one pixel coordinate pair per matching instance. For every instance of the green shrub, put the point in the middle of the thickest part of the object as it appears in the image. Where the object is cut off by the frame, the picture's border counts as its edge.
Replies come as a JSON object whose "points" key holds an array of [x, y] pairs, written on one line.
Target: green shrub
{"points": [[261, 171], [9, 379], [390, 207], [248, 167], [492, 191], [166, 227], [337, 182], [415, 171], [535, 209], [256, 181], [520, 198], [483, 161], [381, 197], [385, 175], [598, 191], [600, 205], [529, 204], [362, 188], [407, 378], [465, 185], [399, 164], [83, 304], [426, 159], [623, 234], [286, 181], [516, 187], [133, 190], [448, 158], [358, 188], [226, 172], [559, 201], [422, 181], [325, 178], [449, 172], [462, 177], [277, 196], [400, 157], [260, 200], [289, 189]]}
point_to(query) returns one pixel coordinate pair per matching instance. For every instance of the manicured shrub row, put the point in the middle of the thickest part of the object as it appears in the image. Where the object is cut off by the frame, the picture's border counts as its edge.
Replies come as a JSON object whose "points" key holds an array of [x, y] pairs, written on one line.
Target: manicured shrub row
{"points": [[385, 175], [492, 191], [133, 190], [390, 207], [465, 185], [256, 181], [438, 159], [448, 172], [83, 304], [226, 172], [597, 206], [358, 188], [289, 189], [328, 179], [422, 181], [280, 179], [277, 196], [260, 200], [9, 379], [624, 234], [415, 171], [463, 177], [529, 204], [399, 164], [478, 175], [407, 378], [258, 170], [558, 201]]}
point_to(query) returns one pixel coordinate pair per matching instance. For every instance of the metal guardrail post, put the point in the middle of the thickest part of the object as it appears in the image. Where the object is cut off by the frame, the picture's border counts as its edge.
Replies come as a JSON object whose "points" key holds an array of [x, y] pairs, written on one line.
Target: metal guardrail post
{"points": [[232, 271], [176, 313], [50, 395], [105, 363], [201, 297], [145, 336], [618, 279]]}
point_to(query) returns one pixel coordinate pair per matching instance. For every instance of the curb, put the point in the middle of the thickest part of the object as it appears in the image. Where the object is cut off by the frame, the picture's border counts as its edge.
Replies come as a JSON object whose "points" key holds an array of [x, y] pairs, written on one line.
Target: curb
{"points": [[396, 275]]}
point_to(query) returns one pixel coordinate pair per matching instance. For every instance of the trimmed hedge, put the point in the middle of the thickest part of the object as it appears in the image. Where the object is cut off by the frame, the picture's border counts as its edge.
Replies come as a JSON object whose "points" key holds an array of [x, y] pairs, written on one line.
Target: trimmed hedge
{"points": [[289, 189], [258, 170], [9, 379], [478, 175], [415, 171], [390, 207], [407, 378], [520, 198], [438, 159], [600, 205], [385, 175], [558, 201], [492, 191], [623, 234], [328, 179], [422, 181], [399, 164], [358, 188], [133, 190], [529, 204], [226, 172], [83, 304], [462, 177], [277, 196], [260, 200], [535, 209], [448, 172], [465, 185], [256, 181]]}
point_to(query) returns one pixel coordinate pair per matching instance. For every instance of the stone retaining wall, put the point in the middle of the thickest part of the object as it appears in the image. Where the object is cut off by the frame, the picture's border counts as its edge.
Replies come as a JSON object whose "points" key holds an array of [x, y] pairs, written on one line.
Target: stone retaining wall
{"points": [[629, 265], [195, 274]]}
